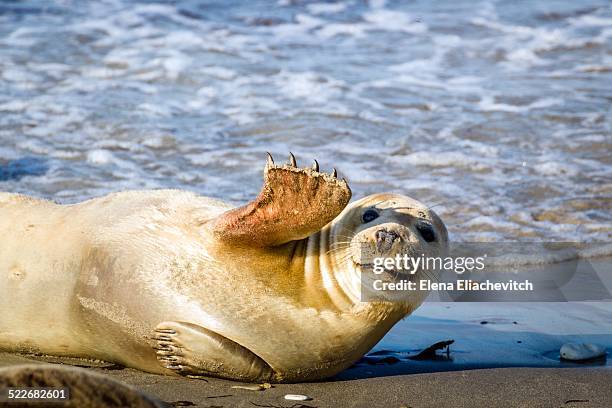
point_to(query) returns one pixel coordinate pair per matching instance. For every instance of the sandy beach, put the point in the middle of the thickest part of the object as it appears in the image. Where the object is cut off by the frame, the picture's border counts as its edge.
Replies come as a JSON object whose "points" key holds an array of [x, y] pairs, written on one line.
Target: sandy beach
{"points": [[502, 387]]}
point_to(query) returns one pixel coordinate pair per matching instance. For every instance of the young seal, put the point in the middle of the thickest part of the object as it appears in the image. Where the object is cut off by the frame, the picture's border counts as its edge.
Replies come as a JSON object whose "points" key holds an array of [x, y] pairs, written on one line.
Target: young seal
{"points": [[173, 283]]}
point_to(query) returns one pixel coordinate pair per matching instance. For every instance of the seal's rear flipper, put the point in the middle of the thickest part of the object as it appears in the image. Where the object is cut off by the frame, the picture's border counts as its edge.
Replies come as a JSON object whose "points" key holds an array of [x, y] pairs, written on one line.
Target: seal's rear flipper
{"points": [[293, 203], [191, 350]]}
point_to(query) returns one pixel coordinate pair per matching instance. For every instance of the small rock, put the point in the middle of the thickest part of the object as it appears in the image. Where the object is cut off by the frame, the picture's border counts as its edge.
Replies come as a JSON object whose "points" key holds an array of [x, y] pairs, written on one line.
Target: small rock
{"points": [[297, 397], [581, 351]]}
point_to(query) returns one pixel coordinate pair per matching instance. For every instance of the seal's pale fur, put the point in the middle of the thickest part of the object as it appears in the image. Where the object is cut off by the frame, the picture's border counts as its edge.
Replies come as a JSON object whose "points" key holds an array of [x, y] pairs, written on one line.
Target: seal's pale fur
{"points": [[170, 282]]}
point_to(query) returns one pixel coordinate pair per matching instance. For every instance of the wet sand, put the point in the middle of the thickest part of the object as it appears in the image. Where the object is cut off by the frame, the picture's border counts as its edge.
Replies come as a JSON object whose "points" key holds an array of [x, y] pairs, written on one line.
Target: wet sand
{"points": [[516, 387]]}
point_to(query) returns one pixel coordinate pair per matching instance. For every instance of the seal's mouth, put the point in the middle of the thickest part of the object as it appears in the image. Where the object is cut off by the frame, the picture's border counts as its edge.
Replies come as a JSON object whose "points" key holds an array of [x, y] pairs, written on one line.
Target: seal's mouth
{"points": [[361, 264], [388, 274], [356, 261], [365, 256]]}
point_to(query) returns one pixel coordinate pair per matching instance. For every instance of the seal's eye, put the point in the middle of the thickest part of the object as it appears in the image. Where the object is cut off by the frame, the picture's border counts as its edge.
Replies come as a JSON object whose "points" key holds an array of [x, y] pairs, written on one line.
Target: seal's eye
{"points": [[426, 231], [369, 215]]}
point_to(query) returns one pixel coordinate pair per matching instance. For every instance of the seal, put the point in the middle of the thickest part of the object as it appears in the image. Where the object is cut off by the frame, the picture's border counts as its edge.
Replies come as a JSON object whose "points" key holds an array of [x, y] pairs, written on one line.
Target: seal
{"points": [[174, 283]]}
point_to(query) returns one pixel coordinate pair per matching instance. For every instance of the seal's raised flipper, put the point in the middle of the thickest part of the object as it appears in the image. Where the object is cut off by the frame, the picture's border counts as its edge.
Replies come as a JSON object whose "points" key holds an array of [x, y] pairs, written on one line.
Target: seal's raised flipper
{"points": [[191, 350], [293, 203]]}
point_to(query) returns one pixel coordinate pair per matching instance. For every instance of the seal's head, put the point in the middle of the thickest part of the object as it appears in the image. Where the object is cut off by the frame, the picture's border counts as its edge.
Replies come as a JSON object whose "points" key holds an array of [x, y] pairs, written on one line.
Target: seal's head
{"points": [[383, 226]]}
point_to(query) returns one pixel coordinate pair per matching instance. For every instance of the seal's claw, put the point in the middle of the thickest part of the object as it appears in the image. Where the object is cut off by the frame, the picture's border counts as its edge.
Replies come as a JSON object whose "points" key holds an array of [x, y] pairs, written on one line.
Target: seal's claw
{"points": [[167, 331], [162, 338], [176, 367], [167, 358], [270, 161], [172, 352], [168, 344], [293, 203]]}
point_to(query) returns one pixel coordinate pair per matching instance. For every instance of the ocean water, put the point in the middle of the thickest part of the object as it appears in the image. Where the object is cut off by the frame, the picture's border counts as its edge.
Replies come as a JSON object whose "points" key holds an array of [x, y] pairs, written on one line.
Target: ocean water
{"points": [[496, 113]]}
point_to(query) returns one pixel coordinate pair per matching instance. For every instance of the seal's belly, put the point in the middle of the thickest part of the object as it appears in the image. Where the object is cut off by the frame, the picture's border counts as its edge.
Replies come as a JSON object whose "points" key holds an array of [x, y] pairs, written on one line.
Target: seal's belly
{"points": [[38, 271]]}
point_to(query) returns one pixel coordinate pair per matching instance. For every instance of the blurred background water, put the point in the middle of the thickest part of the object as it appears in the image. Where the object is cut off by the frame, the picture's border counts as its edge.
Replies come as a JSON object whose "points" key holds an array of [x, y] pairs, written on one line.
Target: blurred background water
{"points": [[498, 113]]}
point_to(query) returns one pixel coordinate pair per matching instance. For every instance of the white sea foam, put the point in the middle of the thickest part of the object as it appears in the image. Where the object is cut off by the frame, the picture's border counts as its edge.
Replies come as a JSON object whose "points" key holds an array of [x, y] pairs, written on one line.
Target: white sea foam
{"points": [[591, 21], [13, 106], [445, 159], [487, 103], [326, 8], [308, 86], [390, 20], [99, 156], [524, 56], [334, 29], [219, 72]]}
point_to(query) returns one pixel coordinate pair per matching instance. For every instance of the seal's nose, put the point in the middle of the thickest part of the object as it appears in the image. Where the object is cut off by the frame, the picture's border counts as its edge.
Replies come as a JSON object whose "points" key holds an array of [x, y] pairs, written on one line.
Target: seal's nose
{"points": [[385, 239]]}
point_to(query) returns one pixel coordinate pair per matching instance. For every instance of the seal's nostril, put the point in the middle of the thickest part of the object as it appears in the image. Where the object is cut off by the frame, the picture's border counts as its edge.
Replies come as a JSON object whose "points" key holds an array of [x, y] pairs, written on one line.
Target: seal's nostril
{"points": [[386, 235], [384, 239]]}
